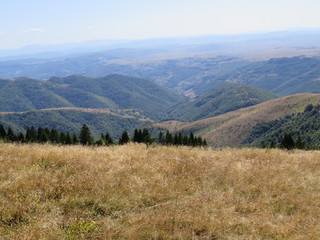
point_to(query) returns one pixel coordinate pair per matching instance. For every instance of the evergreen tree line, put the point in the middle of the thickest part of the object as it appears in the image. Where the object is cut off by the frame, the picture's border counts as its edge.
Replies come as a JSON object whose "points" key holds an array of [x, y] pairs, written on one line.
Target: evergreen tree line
{"points": [[39, 135], [289, 143], [46, 135], [178, 139]]}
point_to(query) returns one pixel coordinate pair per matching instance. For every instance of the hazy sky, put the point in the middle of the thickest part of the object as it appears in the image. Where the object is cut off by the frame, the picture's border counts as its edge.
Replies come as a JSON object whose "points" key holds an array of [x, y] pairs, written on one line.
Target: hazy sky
{"points": [[25, 22]]}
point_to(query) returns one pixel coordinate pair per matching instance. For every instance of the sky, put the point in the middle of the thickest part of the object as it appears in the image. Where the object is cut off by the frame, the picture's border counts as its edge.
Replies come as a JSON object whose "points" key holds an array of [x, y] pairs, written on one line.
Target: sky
{"points": [[30, 22]]}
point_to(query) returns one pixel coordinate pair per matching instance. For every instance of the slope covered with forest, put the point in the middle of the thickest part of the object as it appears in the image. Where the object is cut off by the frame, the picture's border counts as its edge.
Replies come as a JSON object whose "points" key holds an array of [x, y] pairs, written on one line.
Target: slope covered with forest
{"points": [[224, 98], [231, 129], [113, 121], [305, 125], [282, 76], [112, 91]]}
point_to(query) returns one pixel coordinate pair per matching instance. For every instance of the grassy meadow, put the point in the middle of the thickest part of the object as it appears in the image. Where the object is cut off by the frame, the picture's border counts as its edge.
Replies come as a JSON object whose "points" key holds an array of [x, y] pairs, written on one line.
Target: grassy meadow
{"points": [[139, 192]]}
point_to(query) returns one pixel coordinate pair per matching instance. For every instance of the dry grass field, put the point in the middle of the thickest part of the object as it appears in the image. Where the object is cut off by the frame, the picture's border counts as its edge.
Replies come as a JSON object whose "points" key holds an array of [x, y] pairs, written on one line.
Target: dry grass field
{"points": [[135, 192]]}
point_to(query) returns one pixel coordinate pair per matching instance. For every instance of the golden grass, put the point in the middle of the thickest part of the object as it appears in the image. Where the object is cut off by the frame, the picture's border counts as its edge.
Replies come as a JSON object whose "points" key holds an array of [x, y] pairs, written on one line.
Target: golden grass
{"points": [[135, 192]]}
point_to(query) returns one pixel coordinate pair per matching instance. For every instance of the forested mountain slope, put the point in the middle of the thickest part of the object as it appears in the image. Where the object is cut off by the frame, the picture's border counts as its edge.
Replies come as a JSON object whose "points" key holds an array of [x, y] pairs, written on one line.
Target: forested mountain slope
{"points": [[283, 76], [224, 98], [71, 120], [305, 125], [232, 128], [112, 91]]}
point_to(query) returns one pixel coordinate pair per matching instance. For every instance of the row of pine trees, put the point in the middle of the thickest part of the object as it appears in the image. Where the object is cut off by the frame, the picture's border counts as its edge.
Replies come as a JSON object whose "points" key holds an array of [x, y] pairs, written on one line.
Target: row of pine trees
{"points": [[289, 143], [46, 135], [178, 139]]}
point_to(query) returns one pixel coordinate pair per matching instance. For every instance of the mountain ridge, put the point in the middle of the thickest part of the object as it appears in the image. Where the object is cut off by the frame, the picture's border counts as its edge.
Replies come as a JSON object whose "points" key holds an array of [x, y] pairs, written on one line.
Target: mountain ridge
{"points": [[221, 99], [111, 91], [231, 128]]}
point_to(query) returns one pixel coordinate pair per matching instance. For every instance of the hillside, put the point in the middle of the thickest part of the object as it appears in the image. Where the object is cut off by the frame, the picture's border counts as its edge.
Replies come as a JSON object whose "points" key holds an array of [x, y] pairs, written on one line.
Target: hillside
{"points": [[113, 91], [231, 129], [221, 99], [113, 121], [135, 192], [282, 76], [305, 125]]}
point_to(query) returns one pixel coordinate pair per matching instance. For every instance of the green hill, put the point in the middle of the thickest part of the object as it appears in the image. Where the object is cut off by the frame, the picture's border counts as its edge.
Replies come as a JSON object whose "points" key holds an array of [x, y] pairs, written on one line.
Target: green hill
{"points": [[232, 128], [224, 98], [112, 91], [304, 124], [113, 121], [283, 76]]}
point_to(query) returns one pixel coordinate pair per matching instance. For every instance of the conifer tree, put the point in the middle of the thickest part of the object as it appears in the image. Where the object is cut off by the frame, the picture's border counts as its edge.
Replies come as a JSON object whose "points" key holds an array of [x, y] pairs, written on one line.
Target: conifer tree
{"points": [[300, 144], [74, 139], [68, 139], [102, 136], [108, 139], [160, 138], [47, 131], [10, 135], [54, 136], [21, 138], [146, 137], [185, 140], [175, 139], [198, 141], [31, 135], [287, 142], [124, 139], [192, 140], [272, 144], [135, 135], [62, 138], [205, 143], [180, 139], [3, 132], [168, 138], [85, 136], [42, 135]]}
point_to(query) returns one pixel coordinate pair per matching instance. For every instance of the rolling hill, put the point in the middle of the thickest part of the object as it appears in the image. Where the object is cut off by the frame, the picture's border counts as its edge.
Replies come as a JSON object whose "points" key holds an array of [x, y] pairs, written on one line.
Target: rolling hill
{"points": [[113, 121], [112, 91], [224, 98], [282, 76], [304, 124], [232, 128]]}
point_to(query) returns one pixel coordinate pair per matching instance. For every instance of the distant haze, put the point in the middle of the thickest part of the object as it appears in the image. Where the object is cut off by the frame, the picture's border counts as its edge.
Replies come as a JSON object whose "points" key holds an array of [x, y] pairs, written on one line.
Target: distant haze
{"points": [[35, 22]]}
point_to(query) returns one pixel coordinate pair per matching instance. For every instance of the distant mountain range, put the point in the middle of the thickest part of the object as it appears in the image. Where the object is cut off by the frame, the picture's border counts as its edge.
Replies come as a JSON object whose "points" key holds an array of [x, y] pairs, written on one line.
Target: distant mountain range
{"points": [[189, 76], [281, 42]]}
